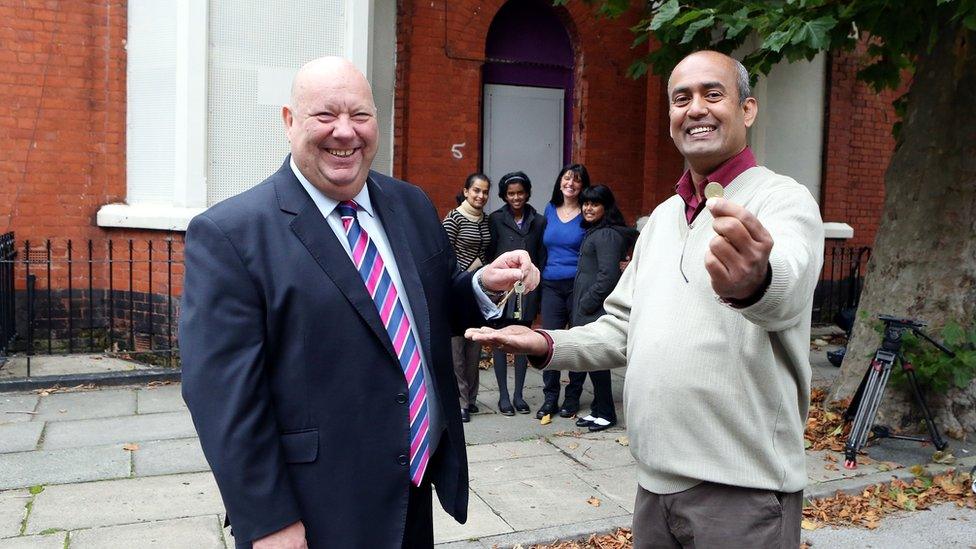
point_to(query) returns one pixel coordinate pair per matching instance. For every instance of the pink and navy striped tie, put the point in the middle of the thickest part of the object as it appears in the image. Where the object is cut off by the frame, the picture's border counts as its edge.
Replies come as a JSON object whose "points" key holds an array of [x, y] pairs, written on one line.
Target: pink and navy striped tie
{"points": [[380, 287]]}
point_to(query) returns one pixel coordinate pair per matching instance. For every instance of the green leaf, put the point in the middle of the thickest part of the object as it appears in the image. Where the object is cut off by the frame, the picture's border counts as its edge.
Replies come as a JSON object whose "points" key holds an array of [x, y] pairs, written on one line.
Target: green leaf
{"points": [[34, 490], [695, 27], [689, 16], [666, 13], [961, 378], [776, 40], [815, 34]]}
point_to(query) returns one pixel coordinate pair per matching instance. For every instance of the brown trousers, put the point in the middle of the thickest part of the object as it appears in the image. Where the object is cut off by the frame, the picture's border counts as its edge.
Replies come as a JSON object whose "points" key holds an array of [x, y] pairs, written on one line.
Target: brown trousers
{"points": [[716, 515], [466, 356]]}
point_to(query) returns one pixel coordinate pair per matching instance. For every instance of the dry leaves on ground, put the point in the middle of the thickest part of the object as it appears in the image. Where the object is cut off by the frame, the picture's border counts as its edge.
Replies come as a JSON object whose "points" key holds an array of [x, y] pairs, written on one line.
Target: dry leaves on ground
{"points": [[60, 389], [867, 508], [621, 539], [826, 429]]}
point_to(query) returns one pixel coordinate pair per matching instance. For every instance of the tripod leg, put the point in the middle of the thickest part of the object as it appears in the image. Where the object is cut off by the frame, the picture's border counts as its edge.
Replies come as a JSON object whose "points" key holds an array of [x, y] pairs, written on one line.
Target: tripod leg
{"points": [[867, 407], [933, 430], [858, 395]]}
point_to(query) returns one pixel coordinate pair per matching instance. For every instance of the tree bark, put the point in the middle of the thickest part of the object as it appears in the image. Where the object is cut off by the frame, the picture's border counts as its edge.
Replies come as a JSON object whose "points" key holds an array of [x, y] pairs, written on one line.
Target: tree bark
{"points": [[923, 265]]}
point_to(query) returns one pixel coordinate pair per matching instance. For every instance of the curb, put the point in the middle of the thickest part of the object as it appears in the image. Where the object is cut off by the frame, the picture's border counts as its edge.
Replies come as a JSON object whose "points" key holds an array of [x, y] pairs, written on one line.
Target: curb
{"points": [[565, 532], [858, 484], [100, 379]]}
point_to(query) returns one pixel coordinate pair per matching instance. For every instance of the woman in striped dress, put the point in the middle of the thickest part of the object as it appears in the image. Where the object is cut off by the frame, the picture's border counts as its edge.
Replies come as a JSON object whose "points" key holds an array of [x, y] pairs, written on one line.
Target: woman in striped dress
{"points": [[467, 229]]}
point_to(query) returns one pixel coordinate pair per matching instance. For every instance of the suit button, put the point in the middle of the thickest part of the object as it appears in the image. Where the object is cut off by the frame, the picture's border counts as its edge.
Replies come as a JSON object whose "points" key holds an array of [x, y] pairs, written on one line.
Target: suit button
{"points": [[403, 460], [401, 398]]}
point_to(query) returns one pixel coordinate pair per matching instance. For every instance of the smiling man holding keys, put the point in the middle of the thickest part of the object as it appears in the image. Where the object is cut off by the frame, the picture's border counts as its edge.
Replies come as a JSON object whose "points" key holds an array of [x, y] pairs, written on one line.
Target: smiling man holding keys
{"points": [[712, 318]]}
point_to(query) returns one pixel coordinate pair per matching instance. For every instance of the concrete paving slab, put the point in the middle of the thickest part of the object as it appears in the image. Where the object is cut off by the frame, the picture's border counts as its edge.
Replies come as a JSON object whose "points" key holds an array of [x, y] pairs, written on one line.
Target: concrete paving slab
{"points": [[50, 541], [86, 405], [20, 437], [574, 531], [165, 398], [23, 469], [166, 457], [542, 502], [197, 532], [487, 472], [482, 522], [14, 408], [508, 450], [90, 432], [827, 466], [618, 484], [13, 505], [597, 450], [127, 501], [55, 365]]}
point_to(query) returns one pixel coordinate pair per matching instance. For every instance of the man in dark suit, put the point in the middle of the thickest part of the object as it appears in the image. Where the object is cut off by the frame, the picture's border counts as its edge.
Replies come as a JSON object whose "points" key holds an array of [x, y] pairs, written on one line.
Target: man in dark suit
{"points": [[315, 337]]}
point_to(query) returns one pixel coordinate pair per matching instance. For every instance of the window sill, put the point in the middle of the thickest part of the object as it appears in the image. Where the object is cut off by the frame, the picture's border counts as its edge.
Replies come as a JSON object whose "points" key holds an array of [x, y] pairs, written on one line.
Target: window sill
{"points": [[146, 216], [841, 231]]}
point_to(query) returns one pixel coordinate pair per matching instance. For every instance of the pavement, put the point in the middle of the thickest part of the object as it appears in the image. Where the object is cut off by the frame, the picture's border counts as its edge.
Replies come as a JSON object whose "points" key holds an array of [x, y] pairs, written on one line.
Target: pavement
{"points": [[122, 467]]}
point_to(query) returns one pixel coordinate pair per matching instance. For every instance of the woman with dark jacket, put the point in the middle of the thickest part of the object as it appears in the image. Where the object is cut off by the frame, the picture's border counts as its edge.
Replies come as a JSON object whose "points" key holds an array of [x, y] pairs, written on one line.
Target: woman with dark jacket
{"points": [[605, 244], [515, 226]]}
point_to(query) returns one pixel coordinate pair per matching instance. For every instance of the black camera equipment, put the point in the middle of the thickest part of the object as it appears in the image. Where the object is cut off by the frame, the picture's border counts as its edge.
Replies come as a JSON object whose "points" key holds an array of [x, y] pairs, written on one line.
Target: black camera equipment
{"points": [[866, 400]]}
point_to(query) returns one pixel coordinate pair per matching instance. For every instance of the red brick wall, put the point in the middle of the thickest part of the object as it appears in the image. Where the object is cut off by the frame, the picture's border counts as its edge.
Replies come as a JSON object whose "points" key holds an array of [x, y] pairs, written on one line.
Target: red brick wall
{"points": [[440, 51], [857, 147], [62, 126]]}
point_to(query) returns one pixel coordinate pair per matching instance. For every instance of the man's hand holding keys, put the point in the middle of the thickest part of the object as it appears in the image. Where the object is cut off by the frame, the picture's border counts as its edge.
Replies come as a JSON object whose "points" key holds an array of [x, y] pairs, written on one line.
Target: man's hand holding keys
{"points": [[737, 259]]}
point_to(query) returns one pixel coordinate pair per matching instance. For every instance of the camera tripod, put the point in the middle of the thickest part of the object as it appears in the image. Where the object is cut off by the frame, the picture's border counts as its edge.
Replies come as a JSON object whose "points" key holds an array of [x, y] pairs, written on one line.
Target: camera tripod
{"points": [[866, 400]]}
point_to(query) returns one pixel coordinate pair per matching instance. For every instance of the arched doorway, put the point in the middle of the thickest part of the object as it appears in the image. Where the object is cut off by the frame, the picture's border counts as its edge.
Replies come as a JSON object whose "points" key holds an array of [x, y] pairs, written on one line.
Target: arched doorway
{"points": [[527, 91]]}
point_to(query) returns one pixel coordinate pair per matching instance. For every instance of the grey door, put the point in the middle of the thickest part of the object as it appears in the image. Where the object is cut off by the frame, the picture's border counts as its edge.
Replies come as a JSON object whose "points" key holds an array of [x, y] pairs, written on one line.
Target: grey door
{"points": [[523, 131]]}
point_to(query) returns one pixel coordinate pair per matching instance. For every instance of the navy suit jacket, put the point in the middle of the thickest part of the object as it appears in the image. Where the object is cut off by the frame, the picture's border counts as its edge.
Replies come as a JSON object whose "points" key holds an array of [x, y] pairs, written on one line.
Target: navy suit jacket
{"points": [[290, 377]]}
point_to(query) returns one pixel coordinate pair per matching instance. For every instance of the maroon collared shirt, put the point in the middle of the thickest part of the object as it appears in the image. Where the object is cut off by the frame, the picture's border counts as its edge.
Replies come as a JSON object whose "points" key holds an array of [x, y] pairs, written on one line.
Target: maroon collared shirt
{"points": [[723, 175]]}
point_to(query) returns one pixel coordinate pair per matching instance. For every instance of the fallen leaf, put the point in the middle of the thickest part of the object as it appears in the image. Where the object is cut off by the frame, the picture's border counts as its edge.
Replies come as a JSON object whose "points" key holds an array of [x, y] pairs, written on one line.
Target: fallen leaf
{"points": [[131, 447], [623, 441], [594, 501], [917, 470], [945, 458], [573, 445], [44, 393], [546, 420], [808, 524]]}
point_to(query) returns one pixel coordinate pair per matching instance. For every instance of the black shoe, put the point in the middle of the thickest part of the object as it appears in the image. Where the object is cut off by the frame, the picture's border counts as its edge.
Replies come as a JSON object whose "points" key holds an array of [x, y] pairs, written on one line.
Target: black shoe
{"points": [[521, 407], [597, 427], [583, 422], [473, 408], [505, 408], [569, 409], [465, 416], [547, 409]]}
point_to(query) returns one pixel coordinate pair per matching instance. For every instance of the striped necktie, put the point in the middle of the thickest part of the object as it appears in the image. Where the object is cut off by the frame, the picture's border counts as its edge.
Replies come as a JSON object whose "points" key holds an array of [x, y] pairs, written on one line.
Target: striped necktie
{"points": [[380, 286]]}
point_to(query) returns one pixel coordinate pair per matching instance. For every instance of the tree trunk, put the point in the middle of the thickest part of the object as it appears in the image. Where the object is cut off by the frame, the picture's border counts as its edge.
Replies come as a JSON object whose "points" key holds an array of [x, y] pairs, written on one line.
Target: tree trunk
{"points": [[923, 265]]}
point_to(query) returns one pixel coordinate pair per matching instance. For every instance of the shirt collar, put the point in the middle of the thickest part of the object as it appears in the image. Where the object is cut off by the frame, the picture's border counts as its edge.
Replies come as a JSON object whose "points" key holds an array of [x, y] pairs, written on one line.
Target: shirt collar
{"points": [[325, 204], [723, 174]]}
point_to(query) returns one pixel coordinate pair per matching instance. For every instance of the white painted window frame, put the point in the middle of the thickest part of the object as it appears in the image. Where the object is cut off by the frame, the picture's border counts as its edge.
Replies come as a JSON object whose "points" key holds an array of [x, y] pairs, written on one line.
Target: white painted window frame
{"points": [[189, 196]]}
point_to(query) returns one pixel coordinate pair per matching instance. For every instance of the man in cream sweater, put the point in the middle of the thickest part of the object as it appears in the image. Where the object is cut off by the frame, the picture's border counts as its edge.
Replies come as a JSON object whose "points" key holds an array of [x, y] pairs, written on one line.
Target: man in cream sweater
{"points": [[712, 318]]}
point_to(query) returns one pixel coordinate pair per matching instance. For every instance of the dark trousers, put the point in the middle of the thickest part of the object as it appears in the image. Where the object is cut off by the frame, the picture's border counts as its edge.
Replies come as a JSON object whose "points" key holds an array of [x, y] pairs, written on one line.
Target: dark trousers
{"points": [[419, 530], [602, 396], [717, 515], [557, 309]]}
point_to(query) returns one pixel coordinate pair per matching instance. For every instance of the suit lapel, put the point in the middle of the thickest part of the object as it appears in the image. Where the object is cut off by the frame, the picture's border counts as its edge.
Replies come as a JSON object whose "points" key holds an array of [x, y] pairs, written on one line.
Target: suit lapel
{"points": [[318, 238], [393, 218]]}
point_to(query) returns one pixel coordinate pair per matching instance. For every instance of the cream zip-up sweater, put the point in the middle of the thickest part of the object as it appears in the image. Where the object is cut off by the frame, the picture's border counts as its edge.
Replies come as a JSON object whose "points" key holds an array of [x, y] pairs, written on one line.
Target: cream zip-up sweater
{"points": [[712, 393]]}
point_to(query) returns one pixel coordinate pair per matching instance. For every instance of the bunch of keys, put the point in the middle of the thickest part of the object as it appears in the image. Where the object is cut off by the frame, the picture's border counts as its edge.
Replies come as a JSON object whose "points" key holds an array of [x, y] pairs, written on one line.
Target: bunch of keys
{"points": [[518, 290]]}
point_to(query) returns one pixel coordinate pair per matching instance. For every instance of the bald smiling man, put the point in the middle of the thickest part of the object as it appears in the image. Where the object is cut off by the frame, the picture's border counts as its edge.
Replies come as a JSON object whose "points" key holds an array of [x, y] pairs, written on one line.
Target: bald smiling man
{"points": [[315, 334]]}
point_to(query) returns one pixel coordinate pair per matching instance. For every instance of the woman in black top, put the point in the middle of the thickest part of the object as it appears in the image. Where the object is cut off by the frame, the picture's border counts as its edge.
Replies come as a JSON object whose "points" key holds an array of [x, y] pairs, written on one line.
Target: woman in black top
{"points": [[605, 244], [515, 226]]}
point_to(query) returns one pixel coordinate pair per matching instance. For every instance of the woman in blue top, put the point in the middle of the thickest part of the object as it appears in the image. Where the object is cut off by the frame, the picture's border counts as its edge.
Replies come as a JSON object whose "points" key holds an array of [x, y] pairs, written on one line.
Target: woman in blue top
{"points": [[562, 240]]}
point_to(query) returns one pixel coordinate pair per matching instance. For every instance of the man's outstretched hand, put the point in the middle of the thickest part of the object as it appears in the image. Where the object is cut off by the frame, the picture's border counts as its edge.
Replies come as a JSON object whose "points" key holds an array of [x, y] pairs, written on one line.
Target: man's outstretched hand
{"points": [[738, 257], [511, 339], [507, 269]]}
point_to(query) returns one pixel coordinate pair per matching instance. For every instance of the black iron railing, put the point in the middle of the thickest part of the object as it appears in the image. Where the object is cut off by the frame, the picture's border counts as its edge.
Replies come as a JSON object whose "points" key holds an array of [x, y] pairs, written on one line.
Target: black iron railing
{"points": [[841, 281], [112, 296], [8, 316]]}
